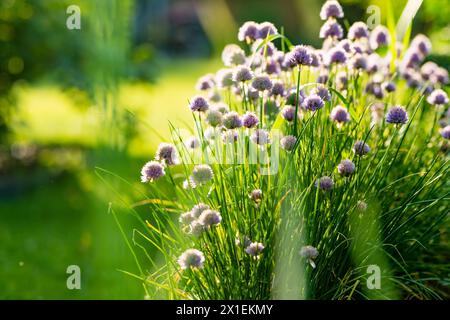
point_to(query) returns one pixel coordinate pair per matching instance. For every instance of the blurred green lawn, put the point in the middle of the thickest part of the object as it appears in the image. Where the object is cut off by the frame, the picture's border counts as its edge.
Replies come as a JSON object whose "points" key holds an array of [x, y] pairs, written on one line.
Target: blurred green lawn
{"points": [[62, 219]]}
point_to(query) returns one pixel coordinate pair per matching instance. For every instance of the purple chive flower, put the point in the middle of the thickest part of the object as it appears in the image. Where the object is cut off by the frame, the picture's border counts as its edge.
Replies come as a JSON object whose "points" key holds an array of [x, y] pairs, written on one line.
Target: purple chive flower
{"points": [[445, 132], [256, 195], [313, 102], [315, 57], [191, 258], [224, 78], [289, 61], [336, 55], [422, 43], [359, 62], [331, 9], [205, 83], [272, 67], [277, 88], [331, 29], [302, 56], [379, 37], [288, 113], [232, 120], [221, 107], [441, 76], [266, 29], [389, 86], [254, 249], [288, 143], [323, 76], [214, 118], [167, 153], [249, 31], [242, 74], [412, 59], [397, 115], [322, 92], [186, 218], [262, 83], [291, 98], [325, 183], [260, 137], [193, 143], [360, 148], [250, 120], [309, 253], [358, 30], [252, 94], [342, 80], [210, 218], [346, 45], [198, 209], [214, 96], [266, 50], [346, 168], [340, 114], [201, 174], [438, 98], [230, 136], [428, 69], [199, 104], [233, 55], [152, 171]]}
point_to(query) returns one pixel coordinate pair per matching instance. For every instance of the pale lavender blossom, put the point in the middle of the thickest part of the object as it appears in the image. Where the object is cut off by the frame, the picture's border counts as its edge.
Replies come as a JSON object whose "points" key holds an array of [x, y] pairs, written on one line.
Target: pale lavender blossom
{"points": [[152, 171], [331, 9], [346, 168], [191, 258], [255, 249], [288, 143]]}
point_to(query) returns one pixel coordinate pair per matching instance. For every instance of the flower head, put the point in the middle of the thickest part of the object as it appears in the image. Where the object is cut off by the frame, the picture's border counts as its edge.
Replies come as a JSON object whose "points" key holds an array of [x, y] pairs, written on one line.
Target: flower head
{"points": [[210, 218], [340, 114], [422, 43], [151, 171], [309, 253], [336, 55], [260, 137], [288, 143], [233, 55], [397, 115], [325, 183], [302, 55], [242, 74], [379, 37], [445, 132], [346, 168], [198, 209], [288, 113], [250, 120], [262, 83], [191, 258], [277, 89], [249, 31], [167, 153], [331, 29], [331, 9], [438, 97], [192, 143], [214, 118], [361, 148], [254, 249], [201, 174], [199, 104], [256, 195], [232, 120], [205, 83], [322, 92], [313, 102], [266, 29], [358, 30]]}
